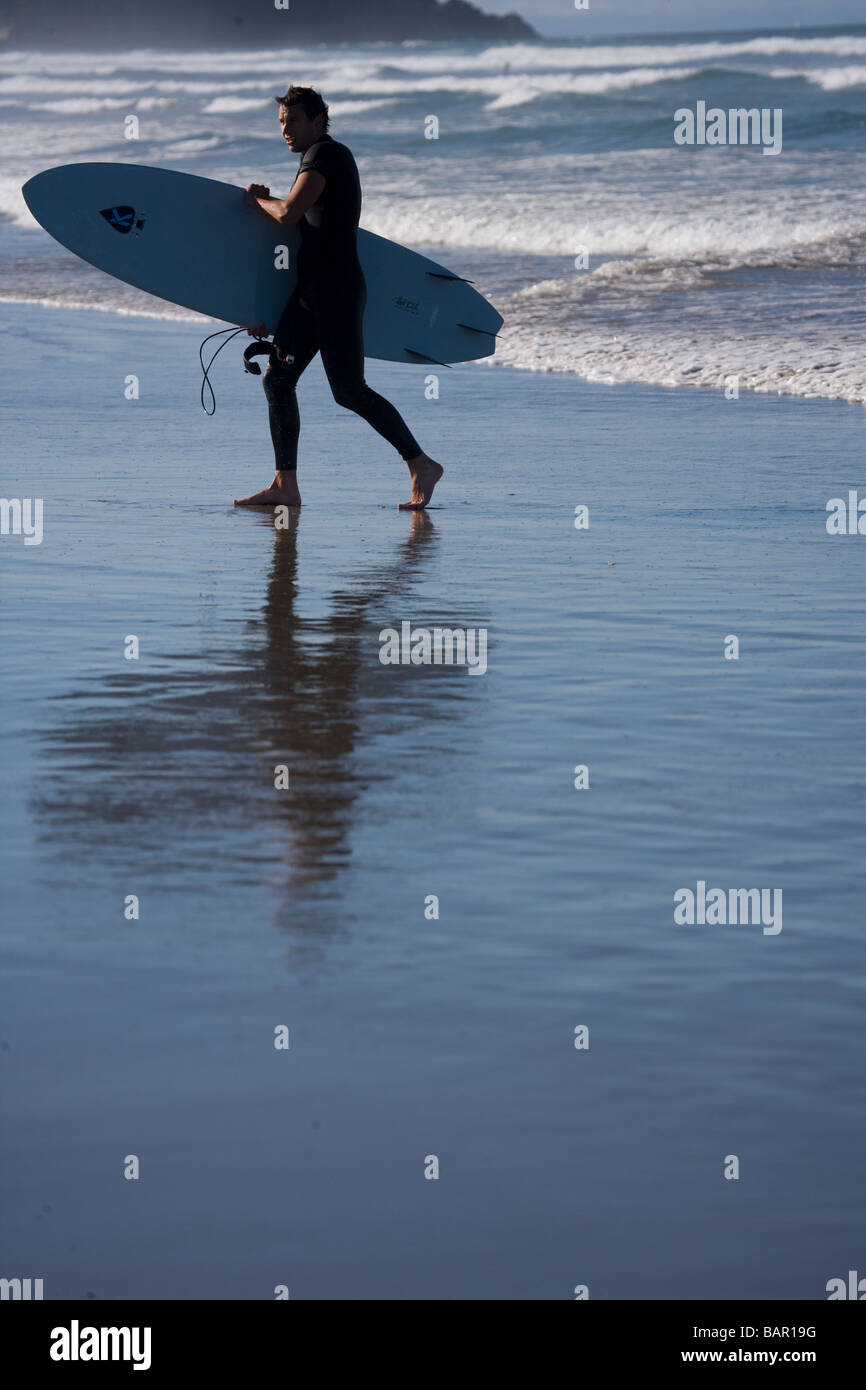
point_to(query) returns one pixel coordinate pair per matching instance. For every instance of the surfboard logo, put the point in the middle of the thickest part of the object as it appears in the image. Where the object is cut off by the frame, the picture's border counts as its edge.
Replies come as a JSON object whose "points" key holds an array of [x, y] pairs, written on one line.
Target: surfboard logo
{"points": [[409, 305], [122, 218]]}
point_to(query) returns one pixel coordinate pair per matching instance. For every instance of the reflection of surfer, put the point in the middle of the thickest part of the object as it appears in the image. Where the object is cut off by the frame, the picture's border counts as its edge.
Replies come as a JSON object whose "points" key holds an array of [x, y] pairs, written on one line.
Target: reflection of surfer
{"points": [[325, 312], [326, 698], [315, 697]]}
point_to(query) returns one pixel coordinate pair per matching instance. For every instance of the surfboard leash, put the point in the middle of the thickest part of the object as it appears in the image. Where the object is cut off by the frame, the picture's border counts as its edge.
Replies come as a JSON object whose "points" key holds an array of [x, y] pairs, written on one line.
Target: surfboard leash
{"points": [[205, 379]]}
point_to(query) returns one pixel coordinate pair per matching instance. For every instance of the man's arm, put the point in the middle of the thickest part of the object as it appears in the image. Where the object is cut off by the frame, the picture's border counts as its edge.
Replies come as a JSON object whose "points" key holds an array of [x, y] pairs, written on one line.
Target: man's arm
{"points": [[307, 191]]}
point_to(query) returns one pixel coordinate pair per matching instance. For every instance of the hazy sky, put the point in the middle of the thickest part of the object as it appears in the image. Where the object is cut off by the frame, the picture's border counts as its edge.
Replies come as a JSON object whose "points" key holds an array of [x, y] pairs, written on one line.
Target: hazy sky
{"points": [[648, 16]]}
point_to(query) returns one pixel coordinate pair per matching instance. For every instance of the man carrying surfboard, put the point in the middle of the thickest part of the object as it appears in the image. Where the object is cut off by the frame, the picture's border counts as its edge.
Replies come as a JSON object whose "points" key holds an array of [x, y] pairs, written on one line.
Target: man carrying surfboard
{"points": [[325, 312]]}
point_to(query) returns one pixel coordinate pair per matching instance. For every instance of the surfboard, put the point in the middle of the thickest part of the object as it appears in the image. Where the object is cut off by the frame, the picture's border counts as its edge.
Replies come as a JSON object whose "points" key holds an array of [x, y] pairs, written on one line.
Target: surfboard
{"points": [[197, 242]]}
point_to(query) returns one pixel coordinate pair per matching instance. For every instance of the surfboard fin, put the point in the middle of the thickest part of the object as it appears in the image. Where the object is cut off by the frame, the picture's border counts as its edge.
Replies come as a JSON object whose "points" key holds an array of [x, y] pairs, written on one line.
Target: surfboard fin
{"points": [[473, 329], [446, 275], [422, 357]]}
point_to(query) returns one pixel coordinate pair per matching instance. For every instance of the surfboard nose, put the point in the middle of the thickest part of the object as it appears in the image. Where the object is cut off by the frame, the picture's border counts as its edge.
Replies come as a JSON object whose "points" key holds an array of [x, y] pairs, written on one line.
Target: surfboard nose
{"points": [[37, 186], [30, 192]]}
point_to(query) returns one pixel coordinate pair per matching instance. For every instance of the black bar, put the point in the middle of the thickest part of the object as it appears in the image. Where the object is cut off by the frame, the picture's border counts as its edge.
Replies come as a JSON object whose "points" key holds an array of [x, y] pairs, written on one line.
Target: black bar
{"points": [[223, 1338]]}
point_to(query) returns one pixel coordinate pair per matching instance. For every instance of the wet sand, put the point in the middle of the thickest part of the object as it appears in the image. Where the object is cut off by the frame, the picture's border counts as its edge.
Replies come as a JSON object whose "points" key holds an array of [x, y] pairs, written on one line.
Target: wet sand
{"points": [[305, 907]]}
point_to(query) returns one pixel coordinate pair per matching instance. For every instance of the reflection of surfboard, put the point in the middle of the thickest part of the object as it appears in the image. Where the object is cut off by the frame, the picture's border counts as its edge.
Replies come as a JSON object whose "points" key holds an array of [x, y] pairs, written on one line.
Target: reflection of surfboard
{"points": [[196, 242]]}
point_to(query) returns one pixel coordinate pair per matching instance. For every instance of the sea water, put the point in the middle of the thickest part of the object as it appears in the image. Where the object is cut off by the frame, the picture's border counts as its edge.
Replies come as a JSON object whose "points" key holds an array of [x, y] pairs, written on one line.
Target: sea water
{"points": [[554, 182]]}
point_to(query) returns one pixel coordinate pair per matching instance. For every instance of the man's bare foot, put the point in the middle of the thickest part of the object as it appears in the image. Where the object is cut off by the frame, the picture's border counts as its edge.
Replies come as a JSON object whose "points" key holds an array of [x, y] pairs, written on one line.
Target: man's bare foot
{"points": [[283, 492], [426, 473]]}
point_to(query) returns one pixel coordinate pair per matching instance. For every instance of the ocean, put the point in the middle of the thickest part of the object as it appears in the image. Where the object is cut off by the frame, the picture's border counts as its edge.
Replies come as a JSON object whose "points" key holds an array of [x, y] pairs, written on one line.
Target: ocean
{"points": [[698, 263]]}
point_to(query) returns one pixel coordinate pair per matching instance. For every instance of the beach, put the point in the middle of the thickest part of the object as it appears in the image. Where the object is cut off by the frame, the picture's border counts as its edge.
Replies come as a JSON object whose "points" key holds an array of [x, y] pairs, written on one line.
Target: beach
{"points": [[424, 1028]]}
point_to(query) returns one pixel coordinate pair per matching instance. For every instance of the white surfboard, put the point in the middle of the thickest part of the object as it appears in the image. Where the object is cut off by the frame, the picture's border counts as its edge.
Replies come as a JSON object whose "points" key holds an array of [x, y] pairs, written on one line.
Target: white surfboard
{"points": [[197, 242]]}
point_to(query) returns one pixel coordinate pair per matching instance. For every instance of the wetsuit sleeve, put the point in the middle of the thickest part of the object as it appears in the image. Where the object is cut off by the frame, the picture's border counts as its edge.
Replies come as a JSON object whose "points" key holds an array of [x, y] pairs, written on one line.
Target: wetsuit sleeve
{"points": [[323, 158]]}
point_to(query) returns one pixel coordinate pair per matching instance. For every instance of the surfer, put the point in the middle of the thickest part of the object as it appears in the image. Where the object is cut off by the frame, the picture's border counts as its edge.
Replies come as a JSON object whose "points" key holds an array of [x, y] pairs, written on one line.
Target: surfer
{"points": [[325, 312]]}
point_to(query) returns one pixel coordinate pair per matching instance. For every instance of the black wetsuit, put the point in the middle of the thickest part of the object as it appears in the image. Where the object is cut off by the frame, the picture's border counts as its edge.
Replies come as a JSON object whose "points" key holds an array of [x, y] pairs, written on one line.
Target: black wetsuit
{"points": [[325, 313]]}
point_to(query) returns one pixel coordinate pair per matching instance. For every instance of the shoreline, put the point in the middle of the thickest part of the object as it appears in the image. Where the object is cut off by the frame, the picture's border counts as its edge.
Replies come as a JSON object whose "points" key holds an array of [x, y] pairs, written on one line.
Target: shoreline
{"points": [[189, 318]]}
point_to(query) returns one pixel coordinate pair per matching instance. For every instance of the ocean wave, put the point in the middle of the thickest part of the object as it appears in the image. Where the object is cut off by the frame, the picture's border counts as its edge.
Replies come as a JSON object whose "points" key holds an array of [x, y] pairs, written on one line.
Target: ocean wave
{"points": [[430, 58], [80, 106], [361, 86], [22, 85], [230, 105], [829, 79], [514, 92], [641, 323], [340, 109], [497, 72], [766, 362], [505, 90], [153, 103], [529, 57], [193, 144], [62, 64], [105, 304], [735, 224]]}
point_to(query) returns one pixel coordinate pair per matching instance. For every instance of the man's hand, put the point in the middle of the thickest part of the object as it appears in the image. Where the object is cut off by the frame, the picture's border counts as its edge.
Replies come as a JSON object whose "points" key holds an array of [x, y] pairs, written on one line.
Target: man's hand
{"points": [[257, 190], [260, 330]]}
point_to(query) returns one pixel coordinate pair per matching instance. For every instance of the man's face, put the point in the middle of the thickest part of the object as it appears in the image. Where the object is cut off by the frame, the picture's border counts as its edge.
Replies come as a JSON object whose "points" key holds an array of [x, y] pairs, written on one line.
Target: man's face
{"points": [[299, 132]]}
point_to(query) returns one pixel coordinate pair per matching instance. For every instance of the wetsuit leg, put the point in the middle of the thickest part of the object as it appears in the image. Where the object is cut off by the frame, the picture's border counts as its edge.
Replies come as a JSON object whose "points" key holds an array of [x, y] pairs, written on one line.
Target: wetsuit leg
{"points": [[339, 313], [295, 336]]}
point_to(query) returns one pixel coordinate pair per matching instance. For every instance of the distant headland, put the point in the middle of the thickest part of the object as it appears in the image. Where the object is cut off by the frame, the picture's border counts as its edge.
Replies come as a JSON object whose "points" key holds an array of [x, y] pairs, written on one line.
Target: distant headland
{"points": [[111, 24]]}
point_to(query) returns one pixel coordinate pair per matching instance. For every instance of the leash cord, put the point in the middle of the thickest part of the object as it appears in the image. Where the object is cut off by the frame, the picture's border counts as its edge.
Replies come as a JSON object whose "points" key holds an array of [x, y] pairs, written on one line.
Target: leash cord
{"points": [[205, 379]]}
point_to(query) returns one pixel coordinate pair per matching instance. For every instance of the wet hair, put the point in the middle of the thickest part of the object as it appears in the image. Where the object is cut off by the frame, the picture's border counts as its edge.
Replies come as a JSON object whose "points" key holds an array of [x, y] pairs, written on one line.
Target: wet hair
{"points": [[310, 102]]}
